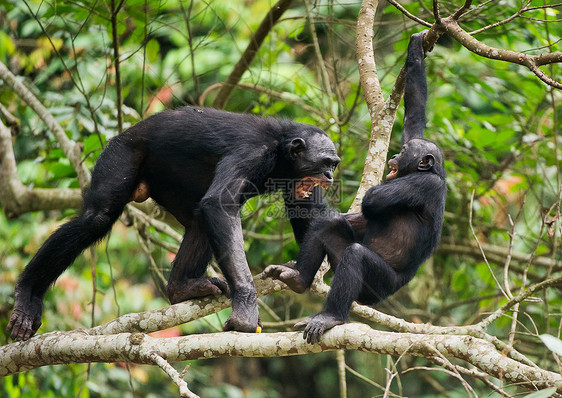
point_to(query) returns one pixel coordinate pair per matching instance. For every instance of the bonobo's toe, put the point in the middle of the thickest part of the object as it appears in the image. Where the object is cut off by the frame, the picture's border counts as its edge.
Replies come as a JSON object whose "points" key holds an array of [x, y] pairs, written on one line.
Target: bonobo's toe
{"points": [[195, 288], [316, 325]]}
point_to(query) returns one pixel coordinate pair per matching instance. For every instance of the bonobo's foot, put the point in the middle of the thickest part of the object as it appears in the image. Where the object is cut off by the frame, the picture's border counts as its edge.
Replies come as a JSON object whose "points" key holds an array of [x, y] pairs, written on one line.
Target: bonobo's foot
{"points": [[197, 287], [288, 275], [245, 316], [316, 325], [25, 319]]}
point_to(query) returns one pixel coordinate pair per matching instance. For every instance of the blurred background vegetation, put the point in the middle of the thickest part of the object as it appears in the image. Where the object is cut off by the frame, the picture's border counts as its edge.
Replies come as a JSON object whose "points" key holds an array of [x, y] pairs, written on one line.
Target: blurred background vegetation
{"points": [[497, 123]]}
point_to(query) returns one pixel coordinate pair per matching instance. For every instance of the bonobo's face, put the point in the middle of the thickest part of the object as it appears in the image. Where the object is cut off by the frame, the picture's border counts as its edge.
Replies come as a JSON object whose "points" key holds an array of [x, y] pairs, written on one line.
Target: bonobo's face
{"points": [[417, 155], [314, 161]]}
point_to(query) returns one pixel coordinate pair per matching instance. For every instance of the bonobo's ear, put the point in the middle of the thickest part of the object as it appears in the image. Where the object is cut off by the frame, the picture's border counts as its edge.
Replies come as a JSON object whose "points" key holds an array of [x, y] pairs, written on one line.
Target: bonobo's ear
{"points": [[426, 163], [296, 146]]}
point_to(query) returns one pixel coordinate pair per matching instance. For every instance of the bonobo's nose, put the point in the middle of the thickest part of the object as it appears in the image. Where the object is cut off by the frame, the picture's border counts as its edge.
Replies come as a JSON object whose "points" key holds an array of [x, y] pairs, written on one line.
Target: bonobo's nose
{"points": [[329, 174], [394, 156]]}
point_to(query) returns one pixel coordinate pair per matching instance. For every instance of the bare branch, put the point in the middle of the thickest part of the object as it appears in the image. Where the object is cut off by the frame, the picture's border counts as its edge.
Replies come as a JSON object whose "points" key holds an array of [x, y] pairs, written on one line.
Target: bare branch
{"points": [[75, 347], [436, 12], [530, 61], [69, 147], [174, 375], [177, 314], [16, 198], [408, 14], [461, 11], [520, 298], [505, 21], [289, 98], [247, 57], [117, 63]]}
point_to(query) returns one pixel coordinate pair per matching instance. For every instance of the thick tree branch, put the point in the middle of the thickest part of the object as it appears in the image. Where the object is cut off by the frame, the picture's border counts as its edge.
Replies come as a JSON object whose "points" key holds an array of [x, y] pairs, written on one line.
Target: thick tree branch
{"points": [[177, 314], [70, 148], [78, 347], [247, 57]]}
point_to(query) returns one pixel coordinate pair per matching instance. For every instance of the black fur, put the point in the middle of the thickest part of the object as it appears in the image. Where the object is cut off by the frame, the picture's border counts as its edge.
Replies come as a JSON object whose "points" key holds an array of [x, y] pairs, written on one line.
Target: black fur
{"points": [[379, 250], [200, 164]]}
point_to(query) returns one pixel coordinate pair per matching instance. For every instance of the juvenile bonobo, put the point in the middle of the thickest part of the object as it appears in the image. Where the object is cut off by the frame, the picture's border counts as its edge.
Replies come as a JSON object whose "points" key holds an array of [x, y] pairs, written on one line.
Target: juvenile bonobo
{"points": [[379, 250], [201, 165]]}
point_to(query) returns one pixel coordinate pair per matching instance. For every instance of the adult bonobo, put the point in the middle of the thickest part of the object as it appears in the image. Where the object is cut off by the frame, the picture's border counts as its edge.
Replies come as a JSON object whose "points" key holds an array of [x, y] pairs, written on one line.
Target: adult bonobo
{"points": [[201, 165], [379, 250]]}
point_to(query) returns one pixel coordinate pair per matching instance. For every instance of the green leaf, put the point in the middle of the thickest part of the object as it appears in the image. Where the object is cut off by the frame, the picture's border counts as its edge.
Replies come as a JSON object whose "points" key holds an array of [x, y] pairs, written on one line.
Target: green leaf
{"points": [[548, 392], [554, 344], [152, 50]]}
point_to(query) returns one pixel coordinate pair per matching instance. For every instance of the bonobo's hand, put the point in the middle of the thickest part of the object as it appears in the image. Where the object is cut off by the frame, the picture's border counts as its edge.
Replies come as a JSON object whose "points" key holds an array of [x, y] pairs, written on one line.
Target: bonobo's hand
{"points": [[288, 275], [418, 37], [316, 325]]}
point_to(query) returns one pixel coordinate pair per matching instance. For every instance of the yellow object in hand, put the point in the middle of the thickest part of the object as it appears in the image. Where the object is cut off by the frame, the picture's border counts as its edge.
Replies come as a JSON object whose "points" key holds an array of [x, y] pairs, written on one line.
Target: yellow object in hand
{"points": [[258, 329]]}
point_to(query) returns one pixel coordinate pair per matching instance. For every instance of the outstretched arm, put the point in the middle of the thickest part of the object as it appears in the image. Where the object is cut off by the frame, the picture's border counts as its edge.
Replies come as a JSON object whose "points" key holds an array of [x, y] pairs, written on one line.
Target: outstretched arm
{"points": [[415, 94], [301, 212]]}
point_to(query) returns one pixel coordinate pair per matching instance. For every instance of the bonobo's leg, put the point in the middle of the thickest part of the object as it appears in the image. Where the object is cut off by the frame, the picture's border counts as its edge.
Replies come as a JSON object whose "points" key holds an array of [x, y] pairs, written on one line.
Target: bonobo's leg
{"points": [[329, 236], [113, 180], [360, 273], [191, 261]]}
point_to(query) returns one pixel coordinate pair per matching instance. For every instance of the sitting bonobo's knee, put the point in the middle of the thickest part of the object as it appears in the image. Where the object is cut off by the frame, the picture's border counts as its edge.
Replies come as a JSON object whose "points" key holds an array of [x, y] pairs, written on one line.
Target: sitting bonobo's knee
{"points": [[355, 250]]}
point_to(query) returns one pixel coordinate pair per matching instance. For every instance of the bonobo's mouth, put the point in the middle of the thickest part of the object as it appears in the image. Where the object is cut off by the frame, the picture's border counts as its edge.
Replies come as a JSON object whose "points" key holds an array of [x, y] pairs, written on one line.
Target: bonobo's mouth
{"points": [[307, 184], [393, 170]]}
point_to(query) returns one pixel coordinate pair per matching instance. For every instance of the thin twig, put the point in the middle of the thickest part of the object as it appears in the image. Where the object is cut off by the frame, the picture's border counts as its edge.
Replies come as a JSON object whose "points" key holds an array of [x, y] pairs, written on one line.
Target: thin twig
{"points": [[340, 357], [117, 64], [174, 375], [480, 246], [247, 57]]}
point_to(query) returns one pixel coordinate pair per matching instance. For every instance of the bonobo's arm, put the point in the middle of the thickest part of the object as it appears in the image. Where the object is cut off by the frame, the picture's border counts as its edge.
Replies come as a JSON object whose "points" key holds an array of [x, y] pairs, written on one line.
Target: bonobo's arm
{"points": [[415, 92], [412, 190], [301, 212], [235, 176]]}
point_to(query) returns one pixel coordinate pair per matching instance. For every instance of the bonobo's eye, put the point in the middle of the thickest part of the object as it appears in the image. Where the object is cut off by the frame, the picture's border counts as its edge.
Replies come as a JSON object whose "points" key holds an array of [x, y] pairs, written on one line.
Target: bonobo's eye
{"points": [[331, 163]]}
